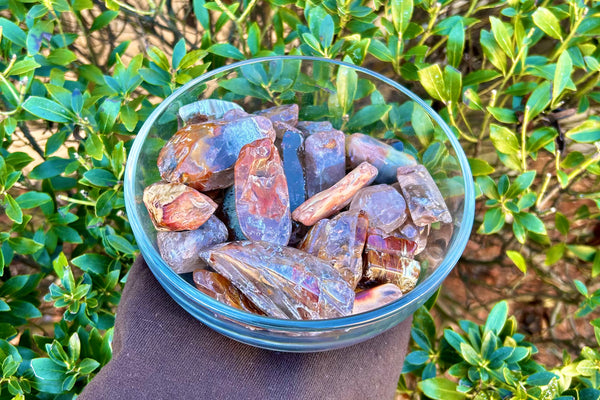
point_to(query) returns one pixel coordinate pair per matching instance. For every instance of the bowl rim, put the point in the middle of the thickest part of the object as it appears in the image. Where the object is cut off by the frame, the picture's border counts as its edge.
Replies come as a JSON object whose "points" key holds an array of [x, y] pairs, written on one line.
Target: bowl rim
{"points": [[425, 288]]}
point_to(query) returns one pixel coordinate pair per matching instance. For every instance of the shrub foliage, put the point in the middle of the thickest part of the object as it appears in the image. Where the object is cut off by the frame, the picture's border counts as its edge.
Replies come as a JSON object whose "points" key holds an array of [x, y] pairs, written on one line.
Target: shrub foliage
{"points": [[79, 77]]}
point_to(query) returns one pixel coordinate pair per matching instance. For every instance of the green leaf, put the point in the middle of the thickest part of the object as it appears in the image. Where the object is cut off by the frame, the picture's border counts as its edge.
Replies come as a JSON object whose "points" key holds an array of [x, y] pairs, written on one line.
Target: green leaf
{"points": [[547, 22], [401, 14], [62, 57], [440, 389], [492, 51], [88, 365], [178, 53], [51, 167], [538, 100], [561, 223], [480, 167], [453, 80], [422, 125], [346, 85], [24, 66], [48, 376], [587, 132], [504, 115], [23, 245], [121, 244], [531, 222], [504, 140], [433, 81], [581, 288], [254, 38], [562, 75], [159, 58], [368, 115], [100, 177], [94, 146], [104, 204], [583, 252], [33, 199], [540, 138], [103, 20], [13, 211], [226, 50], [554, 253], [67, 234], [456, 44], [91, 262], [596, 265], [493, 220], [46, 109], [503, 38], [109, 110], [202, 14], [520, 184], [540, 378], [518, 260], [12, 32]]}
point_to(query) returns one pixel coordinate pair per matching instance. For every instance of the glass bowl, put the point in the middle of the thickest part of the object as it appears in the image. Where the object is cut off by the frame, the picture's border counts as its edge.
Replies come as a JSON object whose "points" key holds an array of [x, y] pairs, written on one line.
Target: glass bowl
{"points": [[354, 99]]}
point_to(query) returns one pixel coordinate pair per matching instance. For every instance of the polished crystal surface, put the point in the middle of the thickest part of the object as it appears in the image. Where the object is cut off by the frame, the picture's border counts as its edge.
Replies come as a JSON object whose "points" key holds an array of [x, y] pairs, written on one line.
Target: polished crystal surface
{"points": [[202, 155], [220, 288], [384, 157], [425, 202], [383, 204], [206, 109], [324, 160], [287, 113], [292, 154], [283, 282], [340, 241], [338, 196], [261, 194], [181, 250], [177, 207], [376, 297]]}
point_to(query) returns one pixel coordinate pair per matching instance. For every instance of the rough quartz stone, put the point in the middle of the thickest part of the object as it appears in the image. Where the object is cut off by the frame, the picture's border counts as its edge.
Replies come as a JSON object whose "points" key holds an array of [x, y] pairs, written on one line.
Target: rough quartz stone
{"points": [[261, 194], [384, 157], [233, 114], [177, 207], [202, 155], [311, 127], [384, 206], [390, 259], [206, 109], [220, 288], [287, 113], [324, 160], [376, 297], [417, 234], [335, 198], [425, 202], [437, 245], [292, 154], [231, 217], [283, 282], [341, 241], [181, 250]]}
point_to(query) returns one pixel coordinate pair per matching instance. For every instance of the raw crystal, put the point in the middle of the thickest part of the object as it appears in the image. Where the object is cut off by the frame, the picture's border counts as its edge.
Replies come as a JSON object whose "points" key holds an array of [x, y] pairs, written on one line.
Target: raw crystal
{"points": [[425, 202], [206, 109], [384, 157], [384, 206], [311, 127], [177, 207], [283, 282], [181, 250], [324, 160], [389, 259], [287, 113], [291, 147], [220, 288], [261, 194], [202, 155], [376, 297], [336, 197], [234, 114], [417, 234], [437, 244], [231, 215], [341, 241]]}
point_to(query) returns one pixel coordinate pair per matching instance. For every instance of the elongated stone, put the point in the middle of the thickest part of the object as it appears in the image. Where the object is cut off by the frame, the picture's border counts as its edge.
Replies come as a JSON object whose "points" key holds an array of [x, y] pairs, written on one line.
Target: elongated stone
{"points": [[384, 206], [177, 207], [417, 234], [287, 113], [203, 110], [231, 217], [261, 194], [425, 202], [283, 282], [340, 241], [373, 298], [292, 153], [331, 200], [312, 127], [181, 250], [384, 157], [220, 288], [324, 160], [202, 155]]}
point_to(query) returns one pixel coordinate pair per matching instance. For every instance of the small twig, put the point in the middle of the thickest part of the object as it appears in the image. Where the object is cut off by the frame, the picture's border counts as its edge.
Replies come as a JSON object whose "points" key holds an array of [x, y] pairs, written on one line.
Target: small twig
{"points": [[34, 144]]}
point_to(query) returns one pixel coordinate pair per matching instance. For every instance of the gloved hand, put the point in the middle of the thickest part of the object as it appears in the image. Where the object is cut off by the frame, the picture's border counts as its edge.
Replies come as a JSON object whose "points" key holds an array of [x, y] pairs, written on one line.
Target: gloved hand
{"points": [[162, 352]]}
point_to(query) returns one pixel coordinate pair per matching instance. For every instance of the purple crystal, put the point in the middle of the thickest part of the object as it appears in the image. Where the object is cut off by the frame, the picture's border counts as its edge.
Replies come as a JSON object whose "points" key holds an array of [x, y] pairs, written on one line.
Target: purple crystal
{"points": [[312, 127], [425, 202], [261, 194], [324, 160], [291, 147], [417, 234], [282, 281], [384, 206], [181, 250], [384, 157], [376, 297], [341, 241], [287, 113]]}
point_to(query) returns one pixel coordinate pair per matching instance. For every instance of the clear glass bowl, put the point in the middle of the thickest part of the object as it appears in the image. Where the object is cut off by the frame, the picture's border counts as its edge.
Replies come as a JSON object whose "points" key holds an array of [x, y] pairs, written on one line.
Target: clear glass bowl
{"points": [[325, 90]]}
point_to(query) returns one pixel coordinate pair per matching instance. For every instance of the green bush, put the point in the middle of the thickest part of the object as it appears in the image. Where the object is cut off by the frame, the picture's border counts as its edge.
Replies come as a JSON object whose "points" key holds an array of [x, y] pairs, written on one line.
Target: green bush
{"points": [[83, 75]]}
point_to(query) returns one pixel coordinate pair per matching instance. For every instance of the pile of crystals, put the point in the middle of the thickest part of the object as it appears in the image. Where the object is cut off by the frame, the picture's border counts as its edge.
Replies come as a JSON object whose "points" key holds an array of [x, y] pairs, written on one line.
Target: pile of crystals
{"points": [[261, 208]]}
